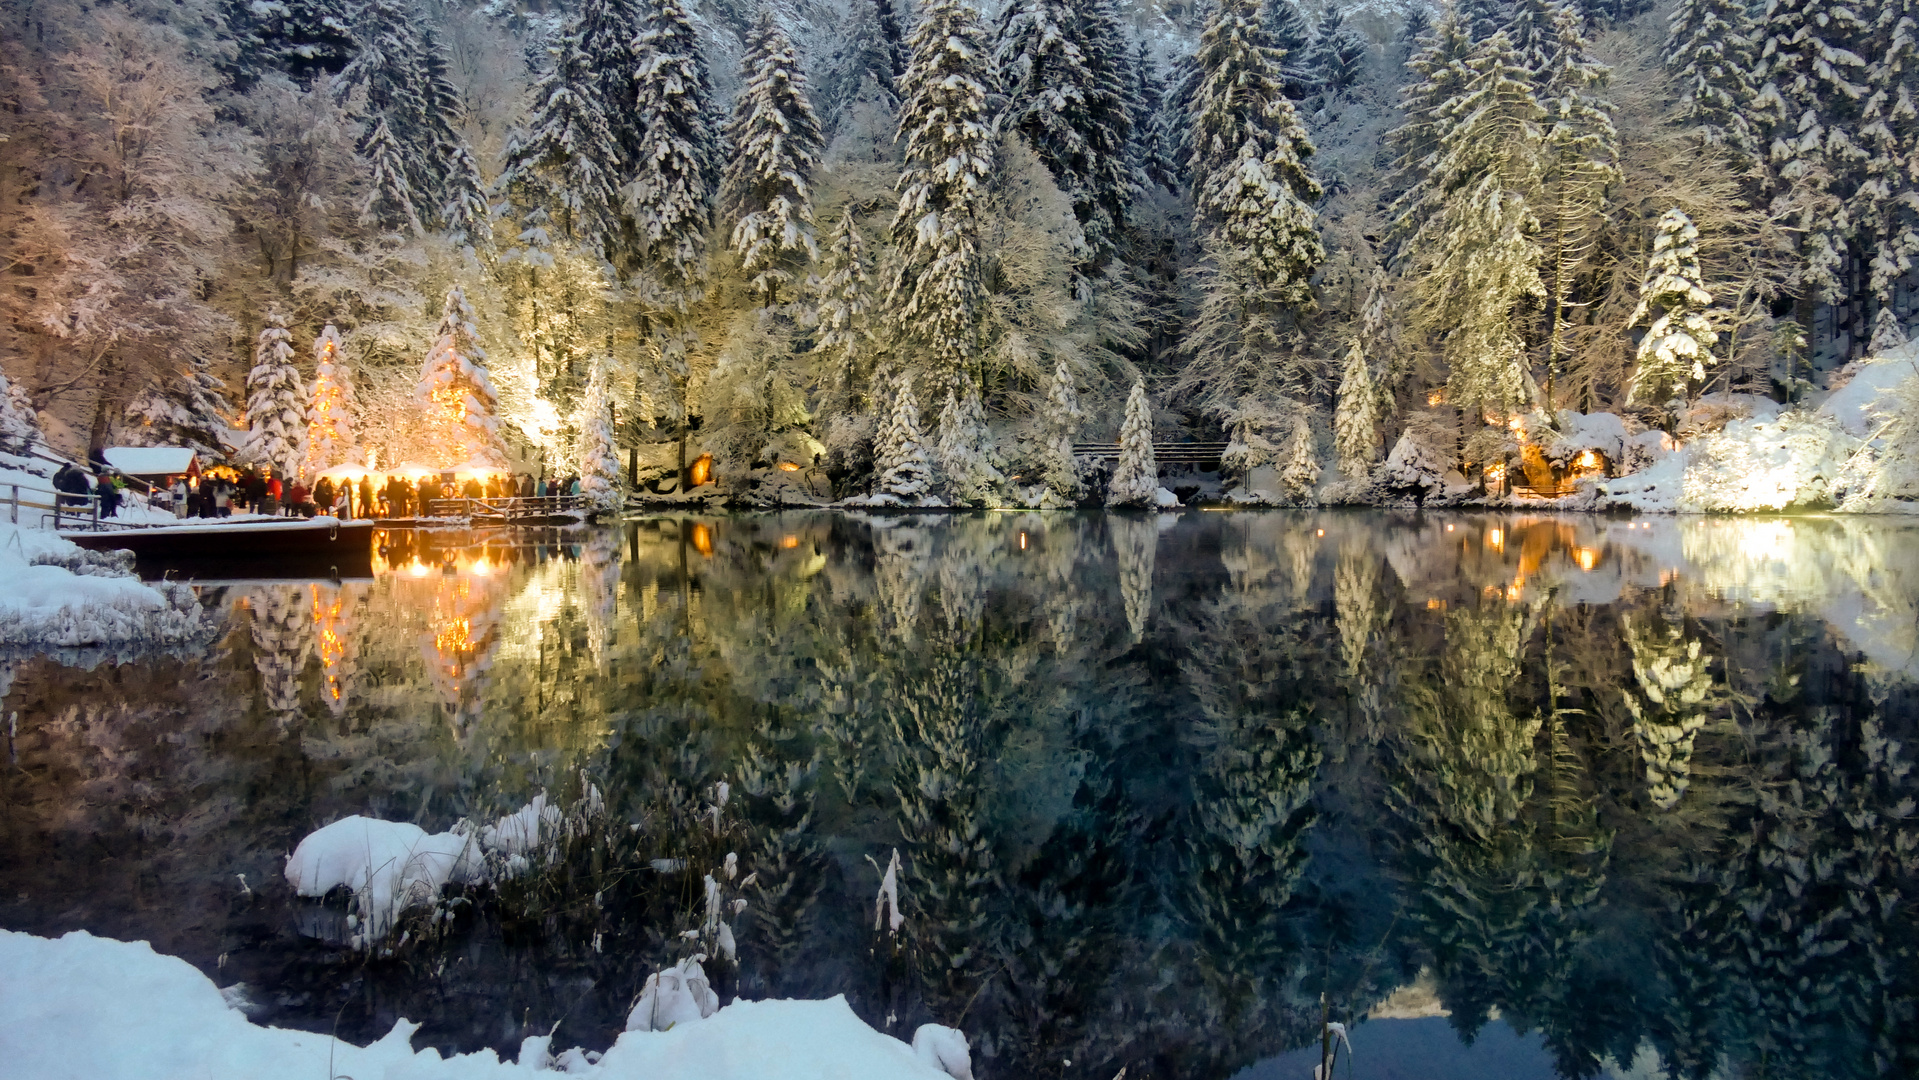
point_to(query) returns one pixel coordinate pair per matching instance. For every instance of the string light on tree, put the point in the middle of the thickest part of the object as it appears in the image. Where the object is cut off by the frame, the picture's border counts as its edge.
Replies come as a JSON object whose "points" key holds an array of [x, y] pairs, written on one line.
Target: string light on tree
{"points": [[331, 408], [461, 423]]}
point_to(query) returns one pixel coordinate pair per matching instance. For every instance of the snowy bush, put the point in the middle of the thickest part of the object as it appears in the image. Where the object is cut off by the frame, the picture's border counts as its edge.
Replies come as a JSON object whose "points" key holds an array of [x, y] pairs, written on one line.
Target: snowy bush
{"points": [[58, 594], [1795, 460], [1136, 481]]}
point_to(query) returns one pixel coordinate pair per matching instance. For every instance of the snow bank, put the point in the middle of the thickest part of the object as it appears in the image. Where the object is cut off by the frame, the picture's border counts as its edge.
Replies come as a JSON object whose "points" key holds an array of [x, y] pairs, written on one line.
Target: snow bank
{"points": [[62, 595], [1855, 405], [83, 1006]]}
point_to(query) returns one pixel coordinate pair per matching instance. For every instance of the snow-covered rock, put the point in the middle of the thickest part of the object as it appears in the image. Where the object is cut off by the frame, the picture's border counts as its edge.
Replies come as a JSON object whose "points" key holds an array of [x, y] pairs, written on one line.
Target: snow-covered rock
{"points": [[945, 1049], [389, 866], [84, 1006]]}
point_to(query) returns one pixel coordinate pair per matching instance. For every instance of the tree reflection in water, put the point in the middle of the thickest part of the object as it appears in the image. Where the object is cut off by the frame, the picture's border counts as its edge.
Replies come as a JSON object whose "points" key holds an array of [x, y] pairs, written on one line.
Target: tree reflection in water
{"points": [[1156, 784]]}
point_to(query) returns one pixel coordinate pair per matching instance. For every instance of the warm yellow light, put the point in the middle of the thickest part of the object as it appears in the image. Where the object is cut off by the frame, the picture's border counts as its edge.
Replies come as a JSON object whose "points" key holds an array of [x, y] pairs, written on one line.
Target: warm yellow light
{"points": [[787, 466], [789, 542], [1495, 538], [418, 569], [1322, 532], [1435, 604], [1516, 423], [1435, 398], [1586, 557], [1588, 460], [702, 470], [481, 568], [703, 539], [1022, 541]]}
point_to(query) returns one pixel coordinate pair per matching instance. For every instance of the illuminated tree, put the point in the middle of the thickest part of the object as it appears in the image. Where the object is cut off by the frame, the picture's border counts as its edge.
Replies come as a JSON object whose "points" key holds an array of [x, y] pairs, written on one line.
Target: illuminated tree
{"points": [[900, 451], [192, 410], [331, 409], [968, 465], [276, 402], [600, 476], [460, 424], [1670, 708], [845, 304]]}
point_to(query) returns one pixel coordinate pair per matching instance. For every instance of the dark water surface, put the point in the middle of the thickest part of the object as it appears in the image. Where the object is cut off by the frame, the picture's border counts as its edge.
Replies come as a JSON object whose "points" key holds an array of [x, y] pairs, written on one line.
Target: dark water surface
{"points": [[1589, 791]]}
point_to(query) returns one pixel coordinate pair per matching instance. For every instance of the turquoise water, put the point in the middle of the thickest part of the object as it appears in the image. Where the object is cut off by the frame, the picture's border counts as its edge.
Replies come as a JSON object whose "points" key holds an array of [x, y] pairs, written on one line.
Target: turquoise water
{"points": [[1156, 784]]}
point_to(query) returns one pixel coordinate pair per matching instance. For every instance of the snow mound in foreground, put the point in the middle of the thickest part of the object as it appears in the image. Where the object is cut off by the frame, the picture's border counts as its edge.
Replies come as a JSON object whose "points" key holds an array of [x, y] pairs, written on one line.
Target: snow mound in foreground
{"points": [[388, 865], [83, 1006], [59, 594]]}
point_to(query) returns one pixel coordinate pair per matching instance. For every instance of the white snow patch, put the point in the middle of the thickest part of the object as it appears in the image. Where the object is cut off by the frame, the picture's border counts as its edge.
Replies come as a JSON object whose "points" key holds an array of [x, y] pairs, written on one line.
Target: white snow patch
{"points": [[389, 866], [83, 1006], [679, 995], [1856, 404], [58, 594]]}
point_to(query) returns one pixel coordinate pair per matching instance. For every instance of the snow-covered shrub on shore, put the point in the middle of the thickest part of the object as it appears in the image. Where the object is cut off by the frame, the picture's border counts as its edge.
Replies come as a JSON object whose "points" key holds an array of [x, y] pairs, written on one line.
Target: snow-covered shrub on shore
{"points": [[58, 594], [1795, 460]]}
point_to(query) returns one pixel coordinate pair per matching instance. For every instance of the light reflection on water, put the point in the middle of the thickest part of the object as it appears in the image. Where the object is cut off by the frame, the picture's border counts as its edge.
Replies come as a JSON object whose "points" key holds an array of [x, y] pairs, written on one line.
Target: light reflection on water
{"points": [[1157, 782]]}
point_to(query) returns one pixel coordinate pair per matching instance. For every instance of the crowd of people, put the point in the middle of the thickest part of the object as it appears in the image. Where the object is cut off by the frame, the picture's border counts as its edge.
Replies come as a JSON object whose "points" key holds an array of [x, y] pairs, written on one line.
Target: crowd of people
{"points": [[259, 491]]}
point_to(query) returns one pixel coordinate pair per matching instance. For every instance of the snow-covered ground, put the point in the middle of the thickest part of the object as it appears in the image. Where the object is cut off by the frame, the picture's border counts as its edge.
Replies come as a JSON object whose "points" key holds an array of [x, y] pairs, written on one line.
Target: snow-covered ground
{"points": [[94, 1008], [57, 594]]}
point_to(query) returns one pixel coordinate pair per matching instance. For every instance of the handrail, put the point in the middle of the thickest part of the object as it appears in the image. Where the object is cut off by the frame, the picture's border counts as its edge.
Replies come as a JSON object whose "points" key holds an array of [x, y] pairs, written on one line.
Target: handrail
{"points": [[508, 506]]}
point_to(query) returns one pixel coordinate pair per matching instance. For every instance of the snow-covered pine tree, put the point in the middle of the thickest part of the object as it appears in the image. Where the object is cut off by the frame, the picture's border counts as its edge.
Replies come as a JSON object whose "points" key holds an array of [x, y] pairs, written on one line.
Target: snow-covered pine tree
{"points": [[460, 424], [1581, 166], [601, 480], [1136, 479], [1153, 135], [1710, 50], [1530, 26], [1356, 415], [1887, 333], [767, 187], [608, 37], [670, 196], [332, 408], [565, 160], [1679, 338], [900, 450], [865, 61], [1338, 54], [843, 297], [1059, 423], [1439, 74], [192, 411], [1247, 152], [1886, 205], [1482, 19], [1108, 127], [968, 464], [400, 75], [947, 125], [276, 402], [390, 200], [1301, 470], [468, 212], [1472, 256], [1289, 32], [1809, 106]]}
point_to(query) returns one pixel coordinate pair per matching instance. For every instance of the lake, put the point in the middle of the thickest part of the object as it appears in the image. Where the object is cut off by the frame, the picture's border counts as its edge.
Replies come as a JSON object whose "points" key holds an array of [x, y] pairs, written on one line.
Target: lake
{"points": [[1565, 793]]}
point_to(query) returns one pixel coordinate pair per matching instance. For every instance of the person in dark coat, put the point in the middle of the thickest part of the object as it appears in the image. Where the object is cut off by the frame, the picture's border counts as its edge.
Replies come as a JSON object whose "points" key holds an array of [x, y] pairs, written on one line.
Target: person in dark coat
{"points": [[366, 497], [324, 495], [109, 495]]}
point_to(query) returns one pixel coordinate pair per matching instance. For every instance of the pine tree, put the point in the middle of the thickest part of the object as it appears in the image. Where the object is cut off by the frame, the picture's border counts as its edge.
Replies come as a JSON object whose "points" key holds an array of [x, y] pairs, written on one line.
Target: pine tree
{"points": [[1356, 419], [1060, 422], [1670, 708], [390, 201], [1886, 206], [1288, 32], [461, 422], [1440, 75], [400, 76], [843, 297], [1481, 19], [1887, 333], [767, 187], [968, 465], [601, 480], [866, 62], [1153, 132], [1710, 49], [1471, 253], [1136, 480], [608, 34], [1301, 471], [1339, 53], [332, 408], [192, 411], [1809, 107], [468, 212], [1580, 160], [947, 125], [671, 194], [276, 402], [1531, 27], [1108, 126], [564, 161], [1248, 152], [900, 450], [1679, 339]]}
